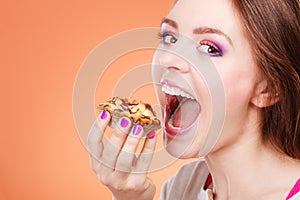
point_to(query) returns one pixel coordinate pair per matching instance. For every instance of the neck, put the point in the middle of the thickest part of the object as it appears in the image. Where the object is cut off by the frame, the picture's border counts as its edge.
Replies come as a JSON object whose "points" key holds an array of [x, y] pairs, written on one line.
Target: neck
{"points": [[251, 169]]}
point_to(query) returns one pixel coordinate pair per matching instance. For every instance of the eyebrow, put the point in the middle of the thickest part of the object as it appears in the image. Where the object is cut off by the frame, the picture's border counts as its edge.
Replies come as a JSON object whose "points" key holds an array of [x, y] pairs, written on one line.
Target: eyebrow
{"points": [[170, 22], [198, 30]]}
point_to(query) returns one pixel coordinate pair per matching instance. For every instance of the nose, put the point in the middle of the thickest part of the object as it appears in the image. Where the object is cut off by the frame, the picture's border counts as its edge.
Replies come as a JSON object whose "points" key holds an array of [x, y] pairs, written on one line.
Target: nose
{"points": [[173, 61]]}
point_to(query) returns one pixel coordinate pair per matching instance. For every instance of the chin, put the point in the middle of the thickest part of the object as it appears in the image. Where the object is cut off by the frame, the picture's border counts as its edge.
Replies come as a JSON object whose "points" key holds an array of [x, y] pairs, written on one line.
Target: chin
{"points": [[177, 153], [183, 146]]}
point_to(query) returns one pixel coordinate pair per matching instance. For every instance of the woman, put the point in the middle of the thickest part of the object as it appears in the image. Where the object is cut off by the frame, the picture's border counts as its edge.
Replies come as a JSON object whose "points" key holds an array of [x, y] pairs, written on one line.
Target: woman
{"points": [[254, 47]]}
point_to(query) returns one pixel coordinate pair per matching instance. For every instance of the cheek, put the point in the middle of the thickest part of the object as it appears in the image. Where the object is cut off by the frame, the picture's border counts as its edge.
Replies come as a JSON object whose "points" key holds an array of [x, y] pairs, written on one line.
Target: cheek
{"points": [[239, 89], [239, 76]]}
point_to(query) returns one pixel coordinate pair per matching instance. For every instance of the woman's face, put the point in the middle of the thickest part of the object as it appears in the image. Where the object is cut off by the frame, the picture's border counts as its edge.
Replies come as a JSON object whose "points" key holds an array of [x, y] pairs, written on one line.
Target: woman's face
{"points": [[183, 90]]}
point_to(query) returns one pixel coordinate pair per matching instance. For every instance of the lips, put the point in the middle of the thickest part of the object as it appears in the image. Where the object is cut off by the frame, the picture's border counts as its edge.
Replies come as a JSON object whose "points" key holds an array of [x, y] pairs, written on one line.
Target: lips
{"points": [[181, 110]]}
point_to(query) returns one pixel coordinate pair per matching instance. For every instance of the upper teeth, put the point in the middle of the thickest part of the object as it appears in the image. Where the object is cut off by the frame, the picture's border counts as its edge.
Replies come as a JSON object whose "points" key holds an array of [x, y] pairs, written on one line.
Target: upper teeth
{"points": [[175, 91]]}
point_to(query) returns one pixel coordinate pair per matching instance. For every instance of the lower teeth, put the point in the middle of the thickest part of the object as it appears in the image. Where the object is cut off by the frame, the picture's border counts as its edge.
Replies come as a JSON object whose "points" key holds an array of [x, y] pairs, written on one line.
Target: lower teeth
{"points": [[170, 122]]}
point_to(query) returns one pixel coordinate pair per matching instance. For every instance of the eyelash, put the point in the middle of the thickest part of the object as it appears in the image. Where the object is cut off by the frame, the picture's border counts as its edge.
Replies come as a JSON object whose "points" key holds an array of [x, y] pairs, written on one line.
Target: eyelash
{"points": [[162, 37], [216, 51], [211, 46]]}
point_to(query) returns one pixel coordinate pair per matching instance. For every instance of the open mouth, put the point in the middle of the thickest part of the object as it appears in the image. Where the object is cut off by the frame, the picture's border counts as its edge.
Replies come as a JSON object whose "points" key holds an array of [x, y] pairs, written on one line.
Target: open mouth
{"points": [[181, 111]]}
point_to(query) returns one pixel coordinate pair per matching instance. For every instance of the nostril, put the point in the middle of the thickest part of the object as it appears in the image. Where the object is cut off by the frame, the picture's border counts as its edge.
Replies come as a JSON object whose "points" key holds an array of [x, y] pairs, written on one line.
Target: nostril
{"points": [[173, 68]]}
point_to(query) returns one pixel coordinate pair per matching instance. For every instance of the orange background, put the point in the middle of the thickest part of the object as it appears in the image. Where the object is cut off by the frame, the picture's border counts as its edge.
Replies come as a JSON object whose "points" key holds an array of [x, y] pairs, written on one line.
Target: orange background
{"points": [[42, 45]]}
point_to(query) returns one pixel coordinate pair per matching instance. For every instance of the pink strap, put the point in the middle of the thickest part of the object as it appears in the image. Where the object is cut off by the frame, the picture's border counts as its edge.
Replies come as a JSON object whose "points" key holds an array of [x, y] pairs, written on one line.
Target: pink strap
{"points": [[295, 190]]}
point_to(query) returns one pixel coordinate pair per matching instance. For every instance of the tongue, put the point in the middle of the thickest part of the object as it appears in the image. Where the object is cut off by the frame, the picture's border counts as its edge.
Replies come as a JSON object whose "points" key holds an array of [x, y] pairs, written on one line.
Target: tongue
{"points": [[186, 114]]}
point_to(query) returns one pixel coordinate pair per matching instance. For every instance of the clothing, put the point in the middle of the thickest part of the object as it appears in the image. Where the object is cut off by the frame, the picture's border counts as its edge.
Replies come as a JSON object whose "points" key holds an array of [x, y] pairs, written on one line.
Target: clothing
{"points": [[189, 183], [295, 191]]}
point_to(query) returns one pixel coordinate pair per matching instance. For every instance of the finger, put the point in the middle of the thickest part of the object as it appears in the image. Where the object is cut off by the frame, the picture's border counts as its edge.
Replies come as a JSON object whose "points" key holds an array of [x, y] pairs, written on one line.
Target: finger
{"points": [[127, 155], [95, 135], [95, 161], [115, 143], [144, 160]]}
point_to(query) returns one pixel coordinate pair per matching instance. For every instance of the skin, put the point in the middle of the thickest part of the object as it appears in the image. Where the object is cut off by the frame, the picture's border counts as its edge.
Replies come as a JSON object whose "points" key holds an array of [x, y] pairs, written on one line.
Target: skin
{"points": [[239, 152]]}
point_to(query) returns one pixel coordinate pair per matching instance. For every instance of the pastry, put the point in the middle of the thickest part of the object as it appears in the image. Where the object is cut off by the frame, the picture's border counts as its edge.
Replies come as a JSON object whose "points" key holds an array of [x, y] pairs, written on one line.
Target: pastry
{"points": [[138, 111]]}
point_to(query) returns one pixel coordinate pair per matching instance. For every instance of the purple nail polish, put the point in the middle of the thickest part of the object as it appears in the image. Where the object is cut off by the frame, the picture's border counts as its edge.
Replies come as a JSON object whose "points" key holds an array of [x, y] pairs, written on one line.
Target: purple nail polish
{"points": [[124, 123], [151, 135], [103, 114], [137, 129]]}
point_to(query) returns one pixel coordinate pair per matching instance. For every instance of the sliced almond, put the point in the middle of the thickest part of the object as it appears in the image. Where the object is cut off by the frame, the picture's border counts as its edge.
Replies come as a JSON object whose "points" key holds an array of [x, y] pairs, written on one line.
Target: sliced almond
{"points": [[141, 106], [147, 113]]}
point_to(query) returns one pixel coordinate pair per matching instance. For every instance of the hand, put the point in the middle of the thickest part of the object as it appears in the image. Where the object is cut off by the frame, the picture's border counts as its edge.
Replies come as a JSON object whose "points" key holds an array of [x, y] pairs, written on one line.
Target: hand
{"points": [[116, 164]]}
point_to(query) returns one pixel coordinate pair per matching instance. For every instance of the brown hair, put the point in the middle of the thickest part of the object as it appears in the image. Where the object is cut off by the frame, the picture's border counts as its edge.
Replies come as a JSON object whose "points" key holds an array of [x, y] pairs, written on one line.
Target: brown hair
{"points": [[273, 29]]}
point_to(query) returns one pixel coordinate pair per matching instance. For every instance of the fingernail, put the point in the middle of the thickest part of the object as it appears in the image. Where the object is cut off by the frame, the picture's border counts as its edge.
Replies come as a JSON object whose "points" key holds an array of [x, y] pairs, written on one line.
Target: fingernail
{"points": [[103, 114], [137, 129], [124, 123], [151, 135]]}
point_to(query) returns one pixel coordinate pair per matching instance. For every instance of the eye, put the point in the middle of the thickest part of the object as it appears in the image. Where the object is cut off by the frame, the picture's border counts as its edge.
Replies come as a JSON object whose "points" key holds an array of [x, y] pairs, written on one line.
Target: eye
{"points": [[209, 48], [167, 38]]}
